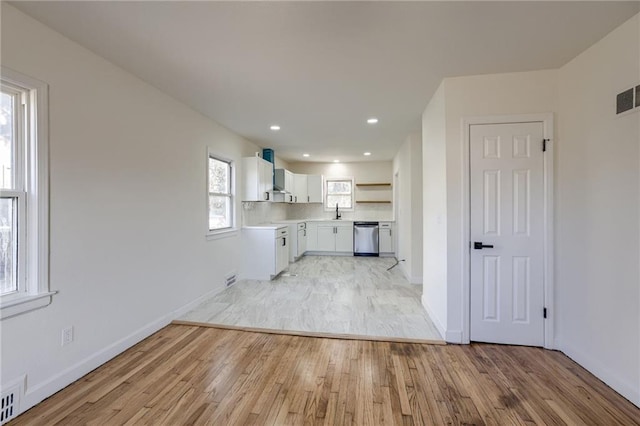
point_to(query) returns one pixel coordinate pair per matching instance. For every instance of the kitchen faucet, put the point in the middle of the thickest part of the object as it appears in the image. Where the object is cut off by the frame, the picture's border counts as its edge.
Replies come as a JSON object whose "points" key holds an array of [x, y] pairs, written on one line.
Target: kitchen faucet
{"points": [[338, 215]]}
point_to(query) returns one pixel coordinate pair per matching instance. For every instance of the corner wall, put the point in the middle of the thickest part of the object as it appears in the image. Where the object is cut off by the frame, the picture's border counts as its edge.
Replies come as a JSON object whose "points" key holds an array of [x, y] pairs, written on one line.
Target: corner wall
{"points": [[407, 165], [598, 212], [128, 210], [434, 211]]}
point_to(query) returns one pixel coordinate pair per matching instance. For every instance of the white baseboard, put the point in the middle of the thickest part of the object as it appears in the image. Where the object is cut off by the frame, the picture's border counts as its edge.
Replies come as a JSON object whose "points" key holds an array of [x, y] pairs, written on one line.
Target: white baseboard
{"points": [[436, 322], [622, 385], [39, 392]]}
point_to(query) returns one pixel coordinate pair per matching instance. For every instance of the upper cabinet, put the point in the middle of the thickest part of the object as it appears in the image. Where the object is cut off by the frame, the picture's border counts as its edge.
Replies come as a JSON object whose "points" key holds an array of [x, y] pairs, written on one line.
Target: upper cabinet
{"points": [[297, 188], [314, 189], [300, 188], [283, 181], [258, 179]]}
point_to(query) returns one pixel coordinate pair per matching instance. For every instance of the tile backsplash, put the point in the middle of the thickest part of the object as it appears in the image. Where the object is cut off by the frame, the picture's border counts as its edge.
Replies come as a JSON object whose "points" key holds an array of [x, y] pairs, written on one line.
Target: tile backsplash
{"points": [[254, 213], [257, 212]]}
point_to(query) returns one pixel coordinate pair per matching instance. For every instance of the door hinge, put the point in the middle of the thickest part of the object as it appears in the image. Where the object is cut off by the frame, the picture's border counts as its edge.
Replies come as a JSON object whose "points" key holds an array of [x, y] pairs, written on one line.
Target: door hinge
{"points": [[544, 144], [544, 312]]}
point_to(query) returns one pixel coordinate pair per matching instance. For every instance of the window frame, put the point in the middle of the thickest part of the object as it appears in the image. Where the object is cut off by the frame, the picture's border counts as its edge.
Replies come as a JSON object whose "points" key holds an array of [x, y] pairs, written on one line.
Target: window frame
{"points": [[32, 193], [230, 230], [327, 207]]}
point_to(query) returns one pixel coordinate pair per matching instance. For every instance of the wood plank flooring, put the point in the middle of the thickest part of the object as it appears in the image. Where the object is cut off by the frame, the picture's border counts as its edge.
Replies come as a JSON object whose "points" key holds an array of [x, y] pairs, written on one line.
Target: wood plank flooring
{"points": [[186, 375], [320, 295]]}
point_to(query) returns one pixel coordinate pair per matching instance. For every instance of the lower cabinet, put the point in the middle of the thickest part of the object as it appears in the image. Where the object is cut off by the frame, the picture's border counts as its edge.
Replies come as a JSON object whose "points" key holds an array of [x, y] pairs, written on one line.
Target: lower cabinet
{"points": [[334, 237], [385, 237], [265, 251]]}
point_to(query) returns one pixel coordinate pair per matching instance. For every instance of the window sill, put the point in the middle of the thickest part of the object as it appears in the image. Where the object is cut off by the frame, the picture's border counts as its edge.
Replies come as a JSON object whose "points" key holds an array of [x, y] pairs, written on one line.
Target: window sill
{"points": [[20, 305], [225, 233]]}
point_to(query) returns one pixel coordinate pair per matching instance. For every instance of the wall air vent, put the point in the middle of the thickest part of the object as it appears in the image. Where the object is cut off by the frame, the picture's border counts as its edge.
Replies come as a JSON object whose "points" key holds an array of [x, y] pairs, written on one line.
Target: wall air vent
{"points": [[624, 101], [10, 403], [628, 101], [230, 279]]}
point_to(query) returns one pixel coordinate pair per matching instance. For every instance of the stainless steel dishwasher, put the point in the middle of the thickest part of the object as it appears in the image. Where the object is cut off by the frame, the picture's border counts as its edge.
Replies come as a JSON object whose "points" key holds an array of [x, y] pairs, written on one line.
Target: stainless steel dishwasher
{"points": [[365, 239]]}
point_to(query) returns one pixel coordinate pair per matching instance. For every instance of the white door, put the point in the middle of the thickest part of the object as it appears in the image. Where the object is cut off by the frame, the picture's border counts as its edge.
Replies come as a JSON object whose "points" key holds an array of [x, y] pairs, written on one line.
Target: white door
{"points": [[282, 253], [302, 242], [300, 188], [326, 238], [386, 243], [314, 189], [344, 238], [507, 218]]}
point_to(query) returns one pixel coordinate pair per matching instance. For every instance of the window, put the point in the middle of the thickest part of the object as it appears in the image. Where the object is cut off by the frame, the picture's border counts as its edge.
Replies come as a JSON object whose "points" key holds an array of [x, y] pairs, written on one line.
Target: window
{"points": [[220, 194], [24, 281], [340, 192]]}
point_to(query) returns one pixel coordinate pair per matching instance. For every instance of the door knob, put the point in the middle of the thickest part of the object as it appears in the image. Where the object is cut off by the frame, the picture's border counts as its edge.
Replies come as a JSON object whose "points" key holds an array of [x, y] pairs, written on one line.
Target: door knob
{"points": [[479, 246]]}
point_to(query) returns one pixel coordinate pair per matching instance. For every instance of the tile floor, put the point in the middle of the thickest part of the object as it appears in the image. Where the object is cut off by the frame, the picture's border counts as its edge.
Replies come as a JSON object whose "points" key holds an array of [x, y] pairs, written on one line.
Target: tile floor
{"points": [[353, 296]]}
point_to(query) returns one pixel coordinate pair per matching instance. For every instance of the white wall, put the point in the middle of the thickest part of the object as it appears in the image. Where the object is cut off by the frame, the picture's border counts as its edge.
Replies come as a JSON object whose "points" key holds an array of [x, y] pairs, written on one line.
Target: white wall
{"points": [[434, 210], [127, 210], [407, 165], [597, 198], [497, 94], [365, 172], [598, 212]]}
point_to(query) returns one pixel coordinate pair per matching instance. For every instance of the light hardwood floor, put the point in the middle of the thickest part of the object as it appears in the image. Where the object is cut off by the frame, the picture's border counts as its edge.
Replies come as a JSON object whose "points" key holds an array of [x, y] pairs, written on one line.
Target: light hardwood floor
{"points": [[198, 375], [320, 295]]}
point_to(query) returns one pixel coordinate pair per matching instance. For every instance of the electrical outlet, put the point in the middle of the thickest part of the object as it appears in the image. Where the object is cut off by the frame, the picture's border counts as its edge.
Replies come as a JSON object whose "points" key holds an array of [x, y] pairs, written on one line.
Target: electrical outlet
{"points": [[67, 335]]}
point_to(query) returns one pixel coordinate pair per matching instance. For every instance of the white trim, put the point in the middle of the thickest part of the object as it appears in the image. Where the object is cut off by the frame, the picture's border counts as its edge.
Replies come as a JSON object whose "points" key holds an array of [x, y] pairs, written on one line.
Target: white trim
{"points": [[16, 306], [325, 191], [37, 393], [214, 234], [549, 284], [222, 233], [36, 186]]}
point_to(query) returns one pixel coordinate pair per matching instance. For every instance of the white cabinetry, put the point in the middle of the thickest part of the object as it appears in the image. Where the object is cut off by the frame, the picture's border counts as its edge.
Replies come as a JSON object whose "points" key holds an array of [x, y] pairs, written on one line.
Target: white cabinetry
{"points": [[334, 237], [314, 189], [326, 237], [258, 179], [265, 251], [386, 237], [312, 236], [301, 247], [344, 238], [284, 180], [299, 188]]}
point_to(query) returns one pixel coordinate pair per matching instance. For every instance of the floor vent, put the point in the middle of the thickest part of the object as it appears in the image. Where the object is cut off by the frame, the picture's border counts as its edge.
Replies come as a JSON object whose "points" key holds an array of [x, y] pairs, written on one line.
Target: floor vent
{"points": [[10, 404], [230, 279]]}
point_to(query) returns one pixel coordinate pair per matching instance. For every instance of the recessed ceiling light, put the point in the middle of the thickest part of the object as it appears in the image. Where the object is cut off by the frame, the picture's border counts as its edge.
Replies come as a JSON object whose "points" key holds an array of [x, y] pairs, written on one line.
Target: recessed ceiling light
{"points": [[305, 155], [336, 161], [275, 127], [367, 154], [372, 120]]}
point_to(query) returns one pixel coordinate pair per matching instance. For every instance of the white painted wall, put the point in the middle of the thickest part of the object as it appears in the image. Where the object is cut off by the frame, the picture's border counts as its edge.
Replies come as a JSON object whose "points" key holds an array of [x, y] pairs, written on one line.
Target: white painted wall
{"points": [[407, 164], [365, 172], [497, 94], [434, 210], [597, 200], [127, 210], [598, 211]]}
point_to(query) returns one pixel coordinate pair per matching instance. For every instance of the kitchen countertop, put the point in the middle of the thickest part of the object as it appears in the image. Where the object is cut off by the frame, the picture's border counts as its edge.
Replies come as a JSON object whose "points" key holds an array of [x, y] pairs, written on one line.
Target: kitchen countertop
{"points": [[266, 226], [329, 220]]}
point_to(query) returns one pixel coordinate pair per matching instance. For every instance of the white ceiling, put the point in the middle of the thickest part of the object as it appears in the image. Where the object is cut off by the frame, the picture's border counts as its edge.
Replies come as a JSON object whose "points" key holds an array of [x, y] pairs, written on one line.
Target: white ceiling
{"points": [[320, 69]]}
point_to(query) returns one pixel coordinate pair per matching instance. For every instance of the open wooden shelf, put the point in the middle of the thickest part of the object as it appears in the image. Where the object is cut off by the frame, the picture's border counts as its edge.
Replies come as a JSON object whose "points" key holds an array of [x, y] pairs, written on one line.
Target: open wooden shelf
{"points": [[374, 202], [373, 184]]}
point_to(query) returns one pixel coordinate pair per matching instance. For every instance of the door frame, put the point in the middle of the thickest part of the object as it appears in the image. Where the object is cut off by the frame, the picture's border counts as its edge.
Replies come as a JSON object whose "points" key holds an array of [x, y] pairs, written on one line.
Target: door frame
{"points": [[548, 210]]}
